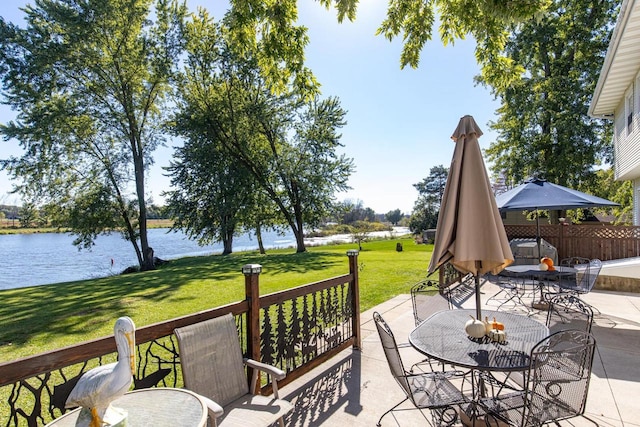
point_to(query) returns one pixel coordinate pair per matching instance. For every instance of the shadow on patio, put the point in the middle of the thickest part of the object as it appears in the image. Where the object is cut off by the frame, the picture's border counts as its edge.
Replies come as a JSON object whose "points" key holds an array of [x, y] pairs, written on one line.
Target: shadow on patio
{"points": [[356, 387]]}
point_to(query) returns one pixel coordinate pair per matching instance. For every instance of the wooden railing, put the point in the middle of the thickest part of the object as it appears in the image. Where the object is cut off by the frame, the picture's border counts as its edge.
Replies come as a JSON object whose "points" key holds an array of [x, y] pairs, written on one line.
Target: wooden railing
{"points": [[296, 330], [448, 276], [605, 242]]}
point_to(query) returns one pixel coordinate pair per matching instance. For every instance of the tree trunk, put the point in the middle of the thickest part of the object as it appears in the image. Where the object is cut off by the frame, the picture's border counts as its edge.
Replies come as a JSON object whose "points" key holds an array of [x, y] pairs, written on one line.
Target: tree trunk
{"points": [[138, 161], [227, 241], [299, 231], [259, 238], [299, 241], [227, 244]]}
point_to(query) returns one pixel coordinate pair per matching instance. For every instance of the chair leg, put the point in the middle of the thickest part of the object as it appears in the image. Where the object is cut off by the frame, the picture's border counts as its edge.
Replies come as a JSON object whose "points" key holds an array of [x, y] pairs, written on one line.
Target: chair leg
{"points": [[446, 416], [511, 295], [391, 410]]}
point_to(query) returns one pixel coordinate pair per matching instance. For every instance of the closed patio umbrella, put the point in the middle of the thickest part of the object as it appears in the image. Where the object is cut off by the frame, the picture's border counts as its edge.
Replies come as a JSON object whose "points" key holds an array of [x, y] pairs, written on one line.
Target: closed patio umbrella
{"points": [[470, 234], [538, 193]]}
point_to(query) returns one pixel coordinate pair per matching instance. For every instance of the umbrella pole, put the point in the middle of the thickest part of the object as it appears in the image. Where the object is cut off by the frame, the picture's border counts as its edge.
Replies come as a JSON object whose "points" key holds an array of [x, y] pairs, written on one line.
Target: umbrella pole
{"points": [[478, 310], [538, 238]]}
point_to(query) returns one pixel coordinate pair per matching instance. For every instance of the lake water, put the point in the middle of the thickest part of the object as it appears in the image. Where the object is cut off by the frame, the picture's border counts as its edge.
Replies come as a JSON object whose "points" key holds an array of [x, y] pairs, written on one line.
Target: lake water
{"points": [[44, 258]]}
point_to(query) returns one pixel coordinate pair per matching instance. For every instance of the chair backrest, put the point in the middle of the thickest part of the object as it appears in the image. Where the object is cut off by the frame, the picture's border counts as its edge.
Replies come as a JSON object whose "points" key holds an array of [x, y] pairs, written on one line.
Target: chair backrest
{"points": [[559, 375], [566, 311], [211, 359], [392, 354], [595, 266], [586, 276], [573, 261], [427, 299]]}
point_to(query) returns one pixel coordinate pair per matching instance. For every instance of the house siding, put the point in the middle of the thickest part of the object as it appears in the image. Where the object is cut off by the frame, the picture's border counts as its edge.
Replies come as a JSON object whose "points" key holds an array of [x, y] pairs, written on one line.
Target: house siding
{"points": [[626, 144], [636, 201]]}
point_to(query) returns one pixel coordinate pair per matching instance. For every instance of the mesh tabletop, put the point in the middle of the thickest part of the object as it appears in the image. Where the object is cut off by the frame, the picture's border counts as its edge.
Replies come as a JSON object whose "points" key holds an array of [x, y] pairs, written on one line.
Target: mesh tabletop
{"points": [[534, 272], [442, 337]]}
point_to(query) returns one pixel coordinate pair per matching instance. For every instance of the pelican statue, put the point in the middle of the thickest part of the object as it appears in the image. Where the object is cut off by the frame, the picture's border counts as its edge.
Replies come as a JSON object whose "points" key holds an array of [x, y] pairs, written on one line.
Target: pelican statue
{"points": [[98, 387]]}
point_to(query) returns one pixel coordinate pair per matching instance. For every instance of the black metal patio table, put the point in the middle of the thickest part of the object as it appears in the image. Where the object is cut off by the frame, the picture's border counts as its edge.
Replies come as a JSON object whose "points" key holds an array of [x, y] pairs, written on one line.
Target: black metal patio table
{"points": [[442, 337], [539, 278]]}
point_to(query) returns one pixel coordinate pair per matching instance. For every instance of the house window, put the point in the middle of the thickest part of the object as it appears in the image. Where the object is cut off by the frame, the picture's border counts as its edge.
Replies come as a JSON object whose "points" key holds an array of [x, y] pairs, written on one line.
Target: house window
{"points": [[628, 110]]}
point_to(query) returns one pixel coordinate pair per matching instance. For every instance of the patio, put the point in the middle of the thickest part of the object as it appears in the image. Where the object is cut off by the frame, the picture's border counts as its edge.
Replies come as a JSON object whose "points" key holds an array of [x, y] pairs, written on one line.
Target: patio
{"points": [[356, 387]]}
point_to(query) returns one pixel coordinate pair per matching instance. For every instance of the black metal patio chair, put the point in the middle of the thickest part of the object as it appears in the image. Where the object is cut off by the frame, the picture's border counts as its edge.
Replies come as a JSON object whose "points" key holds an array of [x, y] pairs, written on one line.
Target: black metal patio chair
{"points": [[428, 298], [556, 384], [511, 291], [431, 390], [584, 280], [567, 311]]}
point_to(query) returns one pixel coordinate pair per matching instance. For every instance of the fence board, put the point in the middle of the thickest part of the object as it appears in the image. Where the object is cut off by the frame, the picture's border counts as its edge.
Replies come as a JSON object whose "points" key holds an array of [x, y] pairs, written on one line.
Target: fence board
{"points": [[605, 242]]}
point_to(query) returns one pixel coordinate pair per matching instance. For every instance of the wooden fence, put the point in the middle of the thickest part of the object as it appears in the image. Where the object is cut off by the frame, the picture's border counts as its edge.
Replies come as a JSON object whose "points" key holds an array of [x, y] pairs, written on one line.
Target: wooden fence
{"points": [[296, 330], [605, 242]]}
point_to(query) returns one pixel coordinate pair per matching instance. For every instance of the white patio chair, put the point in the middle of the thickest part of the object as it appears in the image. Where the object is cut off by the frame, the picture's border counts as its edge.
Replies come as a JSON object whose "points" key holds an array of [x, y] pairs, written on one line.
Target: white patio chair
{"points": [[212, 366]]}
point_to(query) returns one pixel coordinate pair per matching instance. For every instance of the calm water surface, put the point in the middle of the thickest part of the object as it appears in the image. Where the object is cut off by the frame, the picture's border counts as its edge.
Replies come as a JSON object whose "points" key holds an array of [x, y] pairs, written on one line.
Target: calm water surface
{"points": [[44, 258]]}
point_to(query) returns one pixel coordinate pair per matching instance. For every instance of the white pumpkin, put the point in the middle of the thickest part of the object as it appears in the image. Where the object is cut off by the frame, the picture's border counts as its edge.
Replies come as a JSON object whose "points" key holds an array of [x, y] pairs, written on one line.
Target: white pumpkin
{"points": [[487, 325], [475, 328], [498, 336]]}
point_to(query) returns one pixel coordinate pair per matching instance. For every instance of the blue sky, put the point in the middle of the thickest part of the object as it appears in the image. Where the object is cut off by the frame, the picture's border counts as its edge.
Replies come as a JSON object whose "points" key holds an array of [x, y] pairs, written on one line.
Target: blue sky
{"points": [[399, 122]]}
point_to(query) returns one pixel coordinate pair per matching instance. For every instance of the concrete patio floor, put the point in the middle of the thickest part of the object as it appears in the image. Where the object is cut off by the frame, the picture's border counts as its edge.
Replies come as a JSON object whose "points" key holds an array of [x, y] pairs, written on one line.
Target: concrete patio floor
{"points": [[356, 387]]}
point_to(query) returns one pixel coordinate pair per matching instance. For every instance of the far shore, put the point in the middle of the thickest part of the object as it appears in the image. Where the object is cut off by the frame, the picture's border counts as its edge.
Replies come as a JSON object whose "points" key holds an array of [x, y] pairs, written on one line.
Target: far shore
{"points": [[10, 226]]}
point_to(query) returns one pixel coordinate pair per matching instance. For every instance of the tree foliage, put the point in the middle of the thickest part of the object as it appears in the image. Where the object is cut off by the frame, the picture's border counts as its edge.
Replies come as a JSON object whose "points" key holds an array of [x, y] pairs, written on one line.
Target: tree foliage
{"points": [[427, 206], [620, 192], [360, 232], [288, 145], [88, 80], [543, 127], [394, 216], [28, 215], [432, 187], [349, 212], [212, 194], [270, 29]]}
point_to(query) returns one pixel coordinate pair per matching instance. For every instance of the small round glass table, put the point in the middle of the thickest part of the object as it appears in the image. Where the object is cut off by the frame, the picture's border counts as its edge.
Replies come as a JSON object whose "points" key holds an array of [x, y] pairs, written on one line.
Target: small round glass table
{"points": [[158, 407]]}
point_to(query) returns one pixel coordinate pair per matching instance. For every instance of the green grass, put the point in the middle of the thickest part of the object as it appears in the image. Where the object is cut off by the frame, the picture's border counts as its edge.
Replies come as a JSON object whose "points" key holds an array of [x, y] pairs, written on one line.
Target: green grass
{"points": [[41, 318]]}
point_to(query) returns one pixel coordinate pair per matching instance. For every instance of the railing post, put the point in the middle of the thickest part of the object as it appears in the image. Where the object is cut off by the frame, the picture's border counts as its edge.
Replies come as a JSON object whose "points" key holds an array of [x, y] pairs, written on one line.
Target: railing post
{"points": [[355, 300], [252, 295]]}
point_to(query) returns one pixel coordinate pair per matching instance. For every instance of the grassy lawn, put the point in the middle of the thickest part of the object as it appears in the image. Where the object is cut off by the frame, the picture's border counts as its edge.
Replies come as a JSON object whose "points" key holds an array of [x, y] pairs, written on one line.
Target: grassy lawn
{"points": [[42, 318]]}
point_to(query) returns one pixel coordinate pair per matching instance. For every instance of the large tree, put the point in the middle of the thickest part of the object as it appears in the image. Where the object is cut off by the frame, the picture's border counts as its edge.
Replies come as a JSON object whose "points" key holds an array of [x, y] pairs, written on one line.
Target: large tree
{"points": [[543, 127], [212, 195], [432, 187], [287, 144], [427, 206], [88, 80]]}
